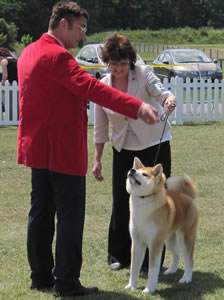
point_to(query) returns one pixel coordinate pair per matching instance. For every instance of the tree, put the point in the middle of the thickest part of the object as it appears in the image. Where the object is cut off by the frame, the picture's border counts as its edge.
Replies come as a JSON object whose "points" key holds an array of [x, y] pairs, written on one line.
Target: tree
{"points": [[32, 16], [215, 10], [8, 34]]}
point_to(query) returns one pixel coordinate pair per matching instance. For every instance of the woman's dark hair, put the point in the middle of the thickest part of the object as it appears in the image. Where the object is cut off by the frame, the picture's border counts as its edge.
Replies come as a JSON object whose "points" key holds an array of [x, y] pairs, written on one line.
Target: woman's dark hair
{"points": [[5, 52], [118, 47], [66, 9]]}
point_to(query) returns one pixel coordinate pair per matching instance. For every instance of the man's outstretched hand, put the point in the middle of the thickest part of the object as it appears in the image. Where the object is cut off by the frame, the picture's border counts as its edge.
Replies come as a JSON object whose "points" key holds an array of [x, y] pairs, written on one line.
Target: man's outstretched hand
{"points": [[148, 114]]}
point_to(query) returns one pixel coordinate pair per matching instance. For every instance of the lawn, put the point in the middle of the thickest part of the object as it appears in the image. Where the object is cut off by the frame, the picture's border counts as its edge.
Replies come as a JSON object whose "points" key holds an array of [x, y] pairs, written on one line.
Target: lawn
{"points": [[197, 149]]}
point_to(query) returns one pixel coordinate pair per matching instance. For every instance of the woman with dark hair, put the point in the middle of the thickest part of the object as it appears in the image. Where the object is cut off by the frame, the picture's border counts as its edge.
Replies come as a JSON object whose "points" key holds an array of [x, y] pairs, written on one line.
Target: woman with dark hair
{"points": [[130, 138], [9, 65]]}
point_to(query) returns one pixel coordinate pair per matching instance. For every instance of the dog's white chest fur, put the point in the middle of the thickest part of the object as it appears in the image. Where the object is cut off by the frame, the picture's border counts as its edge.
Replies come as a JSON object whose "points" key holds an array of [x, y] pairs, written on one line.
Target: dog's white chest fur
{"points": [[141, 225]]}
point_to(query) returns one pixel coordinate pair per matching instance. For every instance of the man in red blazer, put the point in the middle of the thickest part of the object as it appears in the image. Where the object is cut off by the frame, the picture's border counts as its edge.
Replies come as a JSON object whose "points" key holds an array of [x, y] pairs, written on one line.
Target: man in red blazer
{"points": [[52, 141]]}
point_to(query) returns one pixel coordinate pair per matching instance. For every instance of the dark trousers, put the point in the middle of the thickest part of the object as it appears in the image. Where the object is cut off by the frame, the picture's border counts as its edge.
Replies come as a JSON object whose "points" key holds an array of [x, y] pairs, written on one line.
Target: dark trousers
{"points": [[60, 195], [119, 241]]}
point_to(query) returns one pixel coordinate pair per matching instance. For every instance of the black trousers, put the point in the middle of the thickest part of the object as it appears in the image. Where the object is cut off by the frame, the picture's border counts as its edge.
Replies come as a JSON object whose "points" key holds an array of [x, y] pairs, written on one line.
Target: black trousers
{"points": [[60, 195], [119, 241]]}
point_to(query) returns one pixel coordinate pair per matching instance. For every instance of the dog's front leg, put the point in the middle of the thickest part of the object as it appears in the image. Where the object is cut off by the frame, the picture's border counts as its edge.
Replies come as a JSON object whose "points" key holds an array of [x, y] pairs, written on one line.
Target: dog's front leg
{"points": [[154, 266], [137, 256]]}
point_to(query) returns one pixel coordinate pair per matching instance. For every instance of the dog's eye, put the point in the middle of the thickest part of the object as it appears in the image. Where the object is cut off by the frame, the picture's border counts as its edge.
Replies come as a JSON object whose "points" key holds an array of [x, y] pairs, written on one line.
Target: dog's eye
{"points": [[144, 174]]}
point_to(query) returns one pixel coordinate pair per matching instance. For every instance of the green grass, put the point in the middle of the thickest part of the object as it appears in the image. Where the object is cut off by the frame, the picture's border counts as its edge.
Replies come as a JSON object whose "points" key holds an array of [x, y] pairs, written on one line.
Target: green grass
{"points": [[187, 35], [197, 149]]}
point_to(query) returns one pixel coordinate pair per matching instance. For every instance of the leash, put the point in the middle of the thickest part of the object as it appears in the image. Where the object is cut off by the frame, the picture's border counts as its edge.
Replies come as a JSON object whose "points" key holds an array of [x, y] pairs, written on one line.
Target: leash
{"points": [[164, 117]]}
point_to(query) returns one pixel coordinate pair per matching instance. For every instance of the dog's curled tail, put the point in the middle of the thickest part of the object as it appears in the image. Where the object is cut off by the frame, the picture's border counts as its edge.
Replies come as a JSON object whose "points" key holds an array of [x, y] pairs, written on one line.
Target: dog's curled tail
{"points": [[183, 184]]}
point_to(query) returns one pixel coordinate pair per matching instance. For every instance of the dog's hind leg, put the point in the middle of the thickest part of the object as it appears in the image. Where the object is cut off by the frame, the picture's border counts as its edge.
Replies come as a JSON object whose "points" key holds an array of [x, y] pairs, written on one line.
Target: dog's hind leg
{"points": [[175, 250], [137, 256], [187, 248], [155, 253]]}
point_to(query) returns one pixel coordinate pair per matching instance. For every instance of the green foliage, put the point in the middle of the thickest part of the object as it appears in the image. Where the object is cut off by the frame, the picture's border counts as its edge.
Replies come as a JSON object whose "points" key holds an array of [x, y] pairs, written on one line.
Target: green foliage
{"points": [[8, 34], [18, 48], [109, 15], [26, 39], [3, 39], [178, 36]]}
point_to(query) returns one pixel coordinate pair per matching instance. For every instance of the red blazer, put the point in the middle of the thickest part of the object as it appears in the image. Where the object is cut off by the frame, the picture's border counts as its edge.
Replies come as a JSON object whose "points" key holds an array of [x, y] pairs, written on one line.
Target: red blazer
{"points": [[53, 91]]}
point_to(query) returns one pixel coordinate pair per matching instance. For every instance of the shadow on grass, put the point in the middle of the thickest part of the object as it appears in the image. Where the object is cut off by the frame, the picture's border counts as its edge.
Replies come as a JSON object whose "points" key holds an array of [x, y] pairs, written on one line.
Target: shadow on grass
{"points": [[103, 295], [205, 123], [202, 283], [9, 127]]}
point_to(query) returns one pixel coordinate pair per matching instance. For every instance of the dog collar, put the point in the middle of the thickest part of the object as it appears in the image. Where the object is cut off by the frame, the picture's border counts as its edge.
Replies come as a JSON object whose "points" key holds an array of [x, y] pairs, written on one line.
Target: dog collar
{"points": [[147, 195], [153, 193]]}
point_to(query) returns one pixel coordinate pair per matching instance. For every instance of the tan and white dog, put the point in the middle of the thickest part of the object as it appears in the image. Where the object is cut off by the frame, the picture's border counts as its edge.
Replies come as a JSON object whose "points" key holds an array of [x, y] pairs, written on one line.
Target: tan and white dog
{"points": [[159, 216]]}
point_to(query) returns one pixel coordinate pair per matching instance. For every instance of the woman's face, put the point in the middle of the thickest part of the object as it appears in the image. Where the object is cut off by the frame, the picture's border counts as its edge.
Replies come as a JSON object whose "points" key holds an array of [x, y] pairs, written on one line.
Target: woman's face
{"points": [[119, 68]]}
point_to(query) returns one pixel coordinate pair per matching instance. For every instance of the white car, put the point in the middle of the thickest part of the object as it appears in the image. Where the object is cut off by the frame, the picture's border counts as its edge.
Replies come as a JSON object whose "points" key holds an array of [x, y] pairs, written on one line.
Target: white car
{"points": [[89, 57]]}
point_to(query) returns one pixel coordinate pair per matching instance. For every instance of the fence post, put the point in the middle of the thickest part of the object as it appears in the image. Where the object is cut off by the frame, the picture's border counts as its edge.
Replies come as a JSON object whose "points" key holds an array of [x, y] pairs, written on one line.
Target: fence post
{"points": [[178, 88], [91, 113]]}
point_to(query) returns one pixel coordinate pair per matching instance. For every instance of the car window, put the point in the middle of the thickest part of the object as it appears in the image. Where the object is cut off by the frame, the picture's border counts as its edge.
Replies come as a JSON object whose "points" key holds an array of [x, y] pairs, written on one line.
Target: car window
{"points": [[167, 57], [190, 56], [99, 51], [84, 54], [160, 58], [93, 54]]}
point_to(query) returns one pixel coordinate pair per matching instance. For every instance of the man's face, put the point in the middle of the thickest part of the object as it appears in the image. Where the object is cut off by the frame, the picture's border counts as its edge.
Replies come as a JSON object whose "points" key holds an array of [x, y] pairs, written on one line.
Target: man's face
{"points": [[75, 33]]}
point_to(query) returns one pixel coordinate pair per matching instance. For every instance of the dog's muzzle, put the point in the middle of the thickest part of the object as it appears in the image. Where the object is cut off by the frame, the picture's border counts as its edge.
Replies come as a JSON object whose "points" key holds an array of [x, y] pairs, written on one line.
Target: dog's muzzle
{"points": [[131, 174]]}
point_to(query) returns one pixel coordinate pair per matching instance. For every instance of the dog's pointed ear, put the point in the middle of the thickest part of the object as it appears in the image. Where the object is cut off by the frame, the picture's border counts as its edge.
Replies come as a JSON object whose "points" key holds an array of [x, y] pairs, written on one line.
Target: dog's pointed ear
{"points": [[157, 171], [137, 163], [187, 179]]}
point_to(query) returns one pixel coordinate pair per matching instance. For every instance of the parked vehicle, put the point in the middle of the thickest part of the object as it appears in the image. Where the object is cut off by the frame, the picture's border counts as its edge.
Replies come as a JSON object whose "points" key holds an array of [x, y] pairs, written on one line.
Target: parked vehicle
{"points": [[89, 57], [191, 63]]}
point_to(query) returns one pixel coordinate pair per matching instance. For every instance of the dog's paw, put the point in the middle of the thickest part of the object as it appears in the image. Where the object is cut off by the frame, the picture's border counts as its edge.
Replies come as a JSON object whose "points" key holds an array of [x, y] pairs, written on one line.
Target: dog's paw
{"points": [[170, 271], [185, 279], [131, 286], [148, 291]]}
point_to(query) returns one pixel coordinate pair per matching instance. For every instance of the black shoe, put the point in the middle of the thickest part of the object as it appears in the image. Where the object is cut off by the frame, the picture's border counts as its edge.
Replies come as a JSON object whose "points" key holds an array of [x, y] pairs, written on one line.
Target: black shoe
{"points": [[42, 286], [116, 266], [77, 291]]}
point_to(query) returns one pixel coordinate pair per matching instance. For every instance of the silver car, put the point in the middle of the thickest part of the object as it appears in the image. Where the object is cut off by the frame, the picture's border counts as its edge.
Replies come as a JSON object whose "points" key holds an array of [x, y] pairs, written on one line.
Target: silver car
{"points": [[184, 63], [89, 57]]}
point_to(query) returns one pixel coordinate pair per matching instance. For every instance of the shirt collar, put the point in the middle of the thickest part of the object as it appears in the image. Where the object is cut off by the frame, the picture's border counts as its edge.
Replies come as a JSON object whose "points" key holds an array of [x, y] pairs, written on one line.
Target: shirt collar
{"points": [[60, 42]]}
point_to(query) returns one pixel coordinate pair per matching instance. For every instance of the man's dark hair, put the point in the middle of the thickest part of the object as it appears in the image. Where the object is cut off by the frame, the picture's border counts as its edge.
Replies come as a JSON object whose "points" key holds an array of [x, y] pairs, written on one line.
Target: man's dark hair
{"points": [[66, 9]]}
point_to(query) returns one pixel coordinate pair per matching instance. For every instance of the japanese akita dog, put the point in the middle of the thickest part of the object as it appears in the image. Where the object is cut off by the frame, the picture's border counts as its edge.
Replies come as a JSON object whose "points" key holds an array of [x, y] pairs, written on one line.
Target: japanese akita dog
{"points": [[157, 216]]}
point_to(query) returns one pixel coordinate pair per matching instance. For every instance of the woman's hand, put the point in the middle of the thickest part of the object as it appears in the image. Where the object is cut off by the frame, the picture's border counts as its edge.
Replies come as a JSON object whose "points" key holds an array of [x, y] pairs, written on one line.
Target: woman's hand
{"points": [[97, 168], [170, 104]]}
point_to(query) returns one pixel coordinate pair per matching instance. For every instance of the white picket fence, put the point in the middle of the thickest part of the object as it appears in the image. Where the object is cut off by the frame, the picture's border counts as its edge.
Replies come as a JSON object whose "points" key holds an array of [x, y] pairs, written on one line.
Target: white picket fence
{"points": [[9, 106], [196, 101]]}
